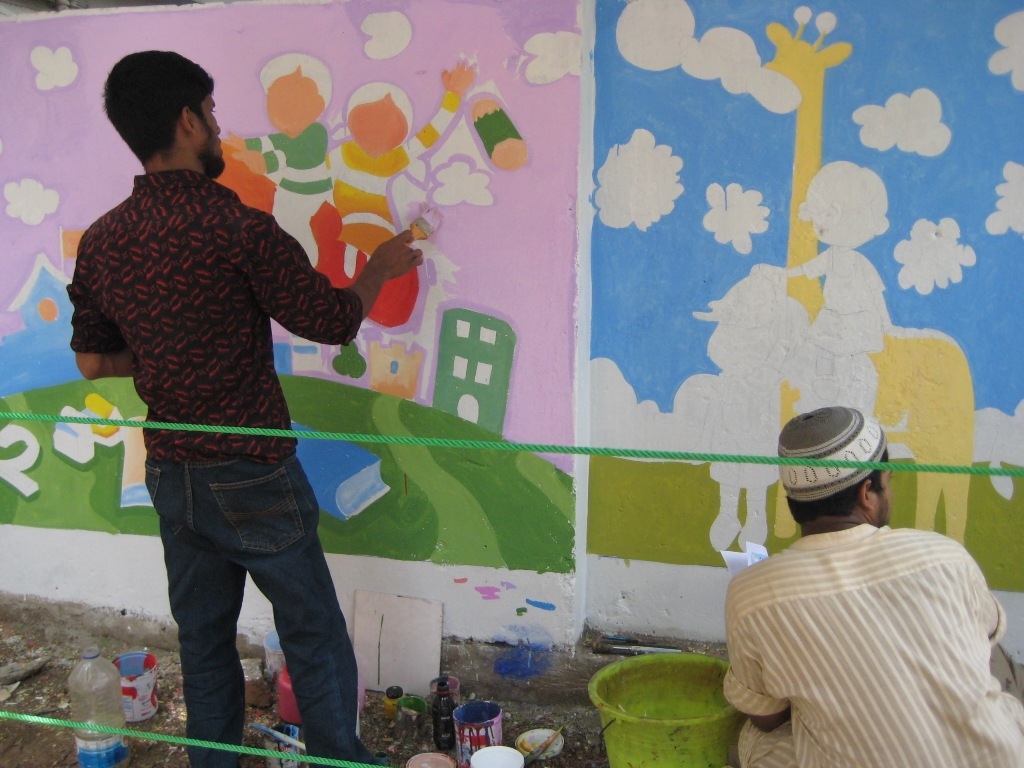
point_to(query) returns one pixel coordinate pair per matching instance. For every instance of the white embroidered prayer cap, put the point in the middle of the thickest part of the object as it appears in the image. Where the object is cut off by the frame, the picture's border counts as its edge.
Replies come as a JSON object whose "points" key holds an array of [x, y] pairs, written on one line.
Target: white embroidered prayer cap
{"points": [[835, 433]]}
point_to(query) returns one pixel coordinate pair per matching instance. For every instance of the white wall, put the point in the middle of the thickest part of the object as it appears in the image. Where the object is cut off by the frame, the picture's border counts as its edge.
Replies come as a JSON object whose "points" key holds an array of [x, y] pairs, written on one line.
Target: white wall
{"points": [[126, 572]]}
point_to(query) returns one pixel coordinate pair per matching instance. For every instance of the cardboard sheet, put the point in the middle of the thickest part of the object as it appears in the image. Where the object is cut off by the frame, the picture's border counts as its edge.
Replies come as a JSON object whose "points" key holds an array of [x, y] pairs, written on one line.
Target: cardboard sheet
{"points": [[397, 640]]}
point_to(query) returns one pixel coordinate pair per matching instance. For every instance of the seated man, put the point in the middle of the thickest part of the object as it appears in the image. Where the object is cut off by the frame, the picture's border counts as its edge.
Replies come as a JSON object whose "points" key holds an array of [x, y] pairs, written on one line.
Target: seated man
{"points": [[861, 645]]}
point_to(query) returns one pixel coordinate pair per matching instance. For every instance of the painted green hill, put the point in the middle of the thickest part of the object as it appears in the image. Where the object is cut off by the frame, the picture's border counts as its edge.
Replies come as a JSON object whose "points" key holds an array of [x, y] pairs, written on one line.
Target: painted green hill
{"points": [[505, 509]]}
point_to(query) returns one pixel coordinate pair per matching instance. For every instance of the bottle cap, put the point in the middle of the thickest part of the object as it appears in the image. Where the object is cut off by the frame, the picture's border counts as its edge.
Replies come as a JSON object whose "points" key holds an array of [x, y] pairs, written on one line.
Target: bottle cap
{"points": [[442, 683], [394, 692], [90, 652]]}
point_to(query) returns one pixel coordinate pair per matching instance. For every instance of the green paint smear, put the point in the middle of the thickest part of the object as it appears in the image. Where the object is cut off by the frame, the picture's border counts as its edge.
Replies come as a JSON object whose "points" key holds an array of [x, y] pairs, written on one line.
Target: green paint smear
{"points": [[662, 512]]}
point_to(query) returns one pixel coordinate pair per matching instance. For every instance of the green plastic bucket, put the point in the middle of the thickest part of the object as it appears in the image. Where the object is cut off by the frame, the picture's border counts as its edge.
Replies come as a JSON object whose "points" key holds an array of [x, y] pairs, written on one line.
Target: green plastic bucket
{"points": [[665, 710]]}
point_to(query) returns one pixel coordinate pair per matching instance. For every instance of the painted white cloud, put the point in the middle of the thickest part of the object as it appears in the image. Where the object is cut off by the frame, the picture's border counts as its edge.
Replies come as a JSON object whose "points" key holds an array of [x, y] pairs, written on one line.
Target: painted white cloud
{"points": [[460, 182], [1010, 59], [618, 420], [913, 123], [638, 182], [998, 440], [1009, 213], [734, 215], [932, 256], [54, 69], [390, 33], [658, 35], [555, 55], [30, 201]]}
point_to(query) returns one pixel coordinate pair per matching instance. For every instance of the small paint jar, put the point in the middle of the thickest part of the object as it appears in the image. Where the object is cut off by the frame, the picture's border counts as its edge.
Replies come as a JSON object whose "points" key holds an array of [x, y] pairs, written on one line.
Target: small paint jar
{"points": [[391, 697]]}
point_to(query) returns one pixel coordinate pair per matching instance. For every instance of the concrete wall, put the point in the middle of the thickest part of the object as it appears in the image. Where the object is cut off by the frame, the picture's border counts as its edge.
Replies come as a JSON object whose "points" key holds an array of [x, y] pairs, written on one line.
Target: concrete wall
{"points": [[647, 261]]}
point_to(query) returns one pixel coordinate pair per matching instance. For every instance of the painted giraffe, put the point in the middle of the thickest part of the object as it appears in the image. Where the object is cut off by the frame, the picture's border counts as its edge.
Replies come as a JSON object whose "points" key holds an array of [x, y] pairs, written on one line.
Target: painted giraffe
{"points": [[925, 394]]}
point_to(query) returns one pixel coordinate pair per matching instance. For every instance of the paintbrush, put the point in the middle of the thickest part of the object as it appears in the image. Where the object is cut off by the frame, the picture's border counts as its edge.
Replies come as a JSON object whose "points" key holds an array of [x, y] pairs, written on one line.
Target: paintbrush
{"points": [[282, 737], [535, 755], [631, 650]]}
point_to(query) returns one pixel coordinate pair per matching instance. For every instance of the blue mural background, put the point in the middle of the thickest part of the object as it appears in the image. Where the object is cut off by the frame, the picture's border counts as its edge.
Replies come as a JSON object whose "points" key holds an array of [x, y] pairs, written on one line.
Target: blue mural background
{"points": [[647, 284]]}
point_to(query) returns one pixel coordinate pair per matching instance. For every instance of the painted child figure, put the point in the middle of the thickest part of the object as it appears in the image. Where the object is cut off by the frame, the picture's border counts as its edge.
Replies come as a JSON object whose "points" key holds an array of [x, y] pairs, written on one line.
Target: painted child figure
{"points": [[378, 149], [758, 328], [298, 89], [847, 205]]}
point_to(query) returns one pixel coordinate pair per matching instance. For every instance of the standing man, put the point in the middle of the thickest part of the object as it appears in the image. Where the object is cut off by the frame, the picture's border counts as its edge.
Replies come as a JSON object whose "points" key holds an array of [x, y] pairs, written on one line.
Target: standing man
{"points": [[860, 645], [176, 288]]}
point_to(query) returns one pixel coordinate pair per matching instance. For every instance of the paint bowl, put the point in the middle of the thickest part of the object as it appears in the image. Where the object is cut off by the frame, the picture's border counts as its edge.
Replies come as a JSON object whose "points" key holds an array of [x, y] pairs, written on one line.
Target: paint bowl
{"points": [[477, 725], [410, 715], [531, 740], [665, 710], [430, 760], [138, 685], [497, 757]]}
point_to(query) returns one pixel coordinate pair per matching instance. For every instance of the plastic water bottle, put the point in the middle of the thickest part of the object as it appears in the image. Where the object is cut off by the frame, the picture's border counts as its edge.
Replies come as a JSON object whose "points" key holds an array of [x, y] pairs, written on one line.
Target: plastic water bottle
{"points": [[95, 687], [441, 713]]}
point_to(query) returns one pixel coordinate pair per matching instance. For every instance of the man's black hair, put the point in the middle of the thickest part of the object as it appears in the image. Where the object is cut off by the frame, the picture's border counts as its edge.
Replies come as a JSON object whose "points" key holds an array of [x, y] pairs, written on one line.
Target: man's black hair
{"points": [[839, 504], [145, 93]]}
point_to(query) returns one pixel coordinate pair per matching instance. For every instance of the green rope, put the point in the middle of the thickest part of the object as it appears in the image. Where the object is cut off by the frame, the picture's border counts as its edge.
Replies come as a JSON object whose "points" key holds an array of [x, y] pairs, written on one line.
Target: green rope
{"points": [[178, 740], [501, 445]]}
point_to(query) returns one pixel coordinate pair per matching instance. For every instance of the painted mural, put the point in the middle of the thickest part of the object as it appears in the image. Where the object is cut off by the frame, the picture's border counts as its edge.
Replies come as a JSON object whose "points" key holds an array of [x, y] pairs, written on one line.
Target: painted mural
{"points": [[347, 120], [819, 205]]}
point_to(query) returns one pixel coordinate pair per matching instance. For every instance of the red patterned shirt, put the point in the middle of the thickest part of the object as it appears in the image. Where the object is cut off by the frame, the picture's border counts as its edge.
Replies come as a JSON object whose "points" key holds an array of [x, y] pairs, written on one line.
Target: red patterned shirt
{"points": [[188, 278]]}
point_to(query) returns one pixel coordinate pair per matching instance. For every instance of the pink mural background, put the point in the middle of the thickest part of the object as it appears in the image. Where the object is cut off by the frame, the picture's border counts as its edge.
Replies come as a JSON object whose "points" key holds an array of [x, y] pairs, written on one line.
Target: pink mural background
{"points": [[513, 258]]}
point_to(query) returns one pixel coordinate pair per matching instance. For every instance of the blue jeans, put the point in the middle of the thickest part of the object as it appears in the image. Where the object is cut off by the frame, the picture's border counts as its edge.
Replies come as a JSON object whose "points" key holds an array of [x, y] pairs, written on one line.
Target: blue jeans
{"points": [[219, 521]]}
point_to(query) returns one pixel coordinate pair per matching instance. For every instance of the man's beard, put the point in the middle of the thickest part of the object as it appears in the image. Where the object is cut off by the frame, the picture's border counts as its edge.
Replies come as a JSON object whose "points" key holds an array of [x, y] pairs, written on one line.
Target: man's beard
{"points": [[213, 164]]}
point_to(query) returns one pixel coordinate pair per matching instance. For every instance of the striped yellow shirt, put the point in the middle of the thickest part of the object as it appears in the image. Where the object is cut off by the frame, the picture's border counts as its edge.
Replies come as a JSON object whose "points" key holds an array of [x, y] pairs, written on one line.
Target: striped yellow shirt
{"points": [[879, 640]]}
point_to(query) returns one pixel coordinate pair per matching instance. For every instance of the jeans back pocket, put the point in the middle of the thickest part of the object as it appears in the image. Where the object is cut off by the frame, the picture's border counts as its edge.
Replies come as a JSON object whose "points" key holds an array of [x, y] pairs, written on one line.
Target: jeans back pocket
{"points": [[263, 511]]}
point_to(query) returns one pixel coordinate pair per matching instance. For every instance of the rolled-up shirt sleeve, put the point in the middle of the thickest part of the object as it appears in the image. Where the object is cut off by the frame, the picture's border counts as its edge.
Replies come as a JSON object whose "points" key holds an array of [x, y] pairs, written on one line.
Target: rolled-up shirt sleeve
{"points": [[91, 330], [744, 685]]}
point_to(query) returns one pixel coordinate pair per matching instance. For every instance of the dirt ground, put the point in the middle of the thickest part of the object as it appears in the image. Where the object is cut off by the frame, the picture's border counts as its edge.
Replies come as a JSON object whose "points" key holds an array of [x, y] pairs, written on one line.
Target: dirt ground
{"points": [[28, 631]]}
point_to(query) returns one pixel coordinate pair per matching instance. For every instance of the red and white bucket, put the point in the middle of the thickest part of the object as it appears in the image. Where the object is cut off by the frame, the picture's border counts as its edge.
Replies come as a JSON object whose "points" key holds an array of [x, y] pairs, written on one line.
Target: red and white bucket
{"points": [[138, 685]]}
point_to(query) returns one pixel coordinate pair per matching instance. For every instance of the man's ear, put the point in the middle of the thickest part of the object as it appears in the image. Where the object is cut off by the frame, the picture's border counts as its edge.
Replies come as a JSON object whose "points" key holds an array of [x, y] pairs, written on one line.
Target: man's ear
{"points": [[868, 497], [189, 121]]}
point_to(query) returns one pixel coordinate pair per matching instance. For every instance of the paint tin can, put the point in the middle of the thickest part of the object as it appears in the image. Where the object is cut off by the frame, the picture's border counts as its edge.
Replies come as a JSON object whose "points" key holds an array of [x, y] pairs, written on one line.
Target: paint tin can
{"points": [[138, 685], [274, 745], [477, 725]]}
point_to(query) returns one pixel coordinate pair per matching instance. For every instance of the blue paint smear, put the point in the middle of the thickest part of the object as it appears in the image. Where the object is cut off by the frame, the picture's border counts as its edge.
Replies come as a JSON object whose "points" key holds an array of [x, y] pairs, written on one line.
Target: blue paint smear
{"points": [[523, 661], [539, 604]]}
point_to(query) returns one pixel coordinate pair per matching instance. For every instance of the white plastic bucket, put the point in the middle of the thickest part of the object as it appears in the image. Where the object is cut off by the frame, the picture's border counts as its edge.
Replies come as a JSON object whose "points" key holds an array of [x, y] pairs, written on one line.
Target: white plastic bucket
{"points": [[497, 757]]}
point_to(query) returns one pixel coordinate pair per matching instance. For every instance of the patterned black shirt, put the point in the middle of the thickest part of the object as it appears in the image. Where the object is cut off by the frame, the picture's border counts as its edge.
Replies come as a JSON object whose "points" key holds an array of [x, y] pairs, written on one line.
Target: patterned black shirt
{"points": [[188, 278]]}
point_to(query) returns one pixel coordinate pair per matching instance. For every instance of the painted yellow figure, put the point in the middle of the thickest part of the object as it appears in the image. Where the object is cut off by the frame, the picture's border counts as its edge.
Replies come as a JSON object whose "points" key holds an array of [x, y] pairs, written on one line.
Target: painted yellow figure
{"points": [[378, 149]]}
